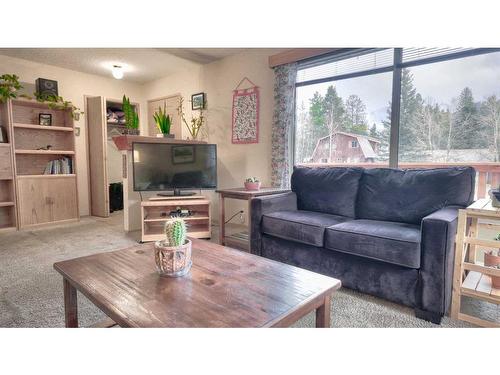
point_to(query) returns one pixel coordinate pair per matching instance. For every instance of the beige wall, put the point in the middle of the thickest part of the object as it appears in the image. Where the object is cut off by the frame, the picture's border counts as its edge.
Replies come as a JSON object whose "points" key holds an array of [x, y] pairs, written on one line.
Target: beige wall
{"points": [[73, 86], [239, 161]]}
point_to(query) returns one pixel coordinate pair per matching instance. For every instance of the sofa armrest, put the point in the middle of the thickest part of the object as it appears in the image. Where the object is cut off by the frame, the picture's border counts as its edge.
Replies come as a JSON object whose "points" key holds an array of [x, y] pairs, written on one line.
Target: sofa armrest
{"points": [[438, 232], [263, 205]]}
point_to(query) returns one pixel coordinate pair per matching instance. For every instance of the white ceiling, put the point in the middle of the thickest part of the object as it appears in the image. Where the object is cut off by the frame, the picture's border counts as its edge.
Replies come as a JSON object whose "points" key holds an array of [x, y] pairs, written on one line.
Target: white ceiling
{"points": [[140, 65]]}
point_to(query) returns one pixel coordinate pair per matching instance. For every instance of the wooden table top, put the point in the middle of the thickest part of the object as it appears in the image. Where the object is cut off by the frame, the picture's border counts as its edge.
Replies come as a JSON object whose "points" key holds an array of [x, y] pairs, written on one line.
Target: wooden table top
{"points": [[243, 193], [225, 288]]}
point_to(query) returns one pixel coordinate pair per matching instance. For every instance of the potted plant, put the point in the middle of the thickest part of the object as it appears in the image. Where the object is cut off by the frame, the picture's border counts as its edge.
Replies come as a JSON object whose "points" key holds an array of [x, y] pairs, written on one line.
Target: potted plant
{"points": [[163, 123], [196, 123], [9, 86], [173, 254], [131, 116], [252, 183]]}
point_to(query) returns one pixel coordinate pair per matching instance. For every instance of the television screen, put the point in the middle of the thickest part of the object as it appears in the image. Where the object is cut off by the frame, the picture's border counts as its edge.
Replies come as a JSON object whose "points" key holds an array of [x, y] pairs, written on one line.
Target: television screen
{"points": [[162, 166]]}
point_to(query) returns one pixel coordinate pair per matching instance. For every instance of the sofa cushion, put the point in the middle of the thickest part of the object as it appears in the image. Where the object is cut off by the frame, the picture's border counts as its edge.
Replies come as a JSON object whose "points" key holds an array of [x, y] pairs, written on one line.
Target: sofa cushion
{"points": [[409, 195], [396, 243], [302, 226], [328, 190]]}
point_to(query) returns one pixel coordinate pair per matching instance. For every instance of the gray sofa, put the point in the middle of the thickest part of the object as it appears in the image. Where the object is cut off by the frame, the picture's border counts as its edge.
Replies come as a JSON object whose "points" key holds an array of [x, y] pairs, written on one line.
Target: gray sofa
{"points": [[385, 232]]}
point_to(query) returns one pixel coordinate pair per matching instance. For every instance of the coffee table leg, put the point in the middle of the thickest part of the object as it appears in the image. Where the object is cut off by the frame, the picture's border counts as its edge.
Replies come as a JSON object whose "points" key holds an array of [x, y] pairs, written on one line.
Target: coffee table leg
{"points": [[323, 314], [70, 305]]}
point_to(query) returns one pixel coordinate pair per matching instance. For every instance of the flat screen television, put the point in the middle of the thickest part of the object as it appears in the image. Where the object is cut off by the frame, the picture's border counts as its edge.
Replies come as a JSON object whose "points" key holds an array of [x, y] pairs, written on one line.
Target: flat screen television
{"points": [[174, 166]]}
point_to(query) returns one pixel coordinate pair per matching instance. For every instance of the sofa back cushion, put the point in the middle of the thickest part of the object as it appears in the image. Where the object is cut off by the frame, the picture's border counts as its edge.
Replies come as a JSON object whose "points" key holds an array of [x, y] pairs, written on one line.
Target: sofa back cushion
{"points": [[330, 190], [408, 196]]}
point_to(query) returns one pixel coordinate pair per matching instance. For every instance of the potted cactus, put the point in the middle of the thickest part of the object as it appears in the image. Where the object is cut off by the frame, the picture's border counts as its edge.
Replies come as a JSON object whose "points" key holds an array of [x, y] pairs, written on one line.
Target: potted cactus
{"points": [[173, 254], [252, 183]]}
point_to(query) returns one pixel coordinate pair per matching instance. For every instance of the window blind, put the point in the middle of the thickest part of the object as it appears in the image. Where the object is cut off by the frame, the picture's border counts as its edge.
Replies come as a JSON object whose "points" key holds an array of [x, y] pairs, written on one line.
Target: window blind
{"points": [[345, 64], [415, 54]]}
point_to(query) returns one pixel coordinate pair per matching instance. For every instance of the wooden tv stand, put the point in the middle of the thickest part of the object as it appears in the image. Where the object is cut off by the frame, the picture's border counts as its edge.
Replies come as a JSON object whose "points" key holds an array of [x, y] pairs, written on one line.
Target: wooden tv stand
{"points": [[155, 212]]}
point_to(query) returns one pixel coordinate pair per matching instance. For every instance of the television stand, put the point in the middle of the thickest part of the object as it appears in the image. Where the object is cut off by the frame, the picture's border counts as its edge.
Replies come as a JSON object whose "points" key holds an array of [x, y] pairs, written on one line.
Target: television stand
{"points": [[155, 212], [177, 193]]}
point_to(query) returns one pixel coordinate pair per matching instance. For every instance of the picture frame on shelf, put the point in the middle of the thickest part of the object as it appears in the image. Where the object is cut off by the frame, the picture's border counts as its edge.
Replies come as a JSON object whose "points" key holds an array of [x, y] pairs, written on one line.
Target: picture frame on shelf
{"points": [[45, 119], [198, 101]]}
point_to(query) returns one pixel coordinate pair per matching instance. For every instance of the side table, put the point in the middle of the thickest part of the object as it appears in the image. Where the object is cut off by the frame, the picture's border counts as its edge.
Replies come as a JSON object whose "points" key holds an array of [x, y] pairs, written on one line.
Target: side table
{"points": [[471, 278], [241, 241]]}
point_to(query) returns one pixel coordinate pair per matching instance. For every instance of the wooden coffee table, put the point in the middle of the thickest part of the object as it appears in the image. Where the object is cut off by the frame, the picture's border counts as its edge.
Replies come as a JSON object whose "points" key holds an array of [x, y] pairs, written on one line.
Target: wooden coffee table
{"points": [[225, 288]]}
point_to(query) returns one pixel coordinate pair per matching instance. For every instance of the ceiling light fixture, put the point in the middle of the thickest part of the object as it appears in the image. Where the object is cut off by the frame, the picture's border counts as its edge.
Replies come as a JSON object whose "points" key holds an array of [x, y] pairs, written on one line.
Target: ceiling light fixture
{"points": [[117, 71]]}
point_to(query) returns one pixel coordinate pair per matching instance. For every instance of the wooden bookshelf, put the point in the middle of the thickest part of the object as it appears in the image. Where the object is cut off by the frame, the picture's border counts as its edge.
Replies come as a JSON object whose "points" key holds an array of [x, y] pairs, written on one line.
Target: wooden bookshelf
{"points": [[8, 214], [41, 198]]}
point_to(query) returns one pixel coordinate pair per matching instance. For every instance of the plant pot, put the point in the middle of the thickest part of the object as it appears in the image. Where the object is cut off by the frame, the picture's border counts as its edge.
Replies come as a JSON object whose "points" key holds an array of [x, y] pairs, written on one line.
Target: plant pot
{"points": [[173, 261], [161, 135], [252, 185], [491, 260]]}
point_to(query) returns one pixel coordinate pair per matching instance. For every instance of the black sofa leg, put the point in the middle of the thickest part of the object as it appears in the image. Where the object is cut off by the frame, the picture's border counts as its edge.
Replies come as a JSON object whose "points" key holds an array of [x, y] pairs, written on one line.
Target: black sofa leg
{"points": [[429, 316]]}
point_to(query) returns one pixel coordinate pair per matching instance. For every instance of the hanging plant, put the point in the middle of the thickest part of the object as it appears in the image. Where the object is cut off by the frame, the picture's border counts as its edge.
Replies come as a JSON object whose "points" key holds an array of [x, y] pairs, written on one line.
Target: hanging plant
{"points": [[57, 102], [9, 85]]}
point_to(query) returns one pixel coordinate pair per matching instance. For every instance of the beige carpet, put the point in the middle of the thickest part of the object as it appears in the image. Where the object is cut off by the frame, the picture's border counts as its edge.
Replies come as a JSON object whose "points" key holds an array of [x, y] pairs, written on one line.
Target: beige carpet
{"points": [[31, 291]]}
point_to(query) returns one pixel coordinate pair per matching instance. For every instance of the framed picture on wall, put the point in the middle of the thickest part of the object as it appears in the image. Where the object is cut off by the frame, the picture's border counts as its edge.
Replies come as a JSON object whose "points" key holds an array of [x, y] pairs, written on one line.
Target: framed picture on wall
{"points": [[45, 119], [198, 101], [182, 154]]}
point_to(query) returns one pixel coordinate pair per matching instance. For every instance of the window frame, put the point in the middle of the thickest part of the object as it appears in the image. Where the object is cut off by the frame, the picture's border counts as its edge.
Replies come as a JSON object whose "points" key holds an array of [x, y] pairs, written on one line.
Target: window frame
{"points": [[396, 69]]}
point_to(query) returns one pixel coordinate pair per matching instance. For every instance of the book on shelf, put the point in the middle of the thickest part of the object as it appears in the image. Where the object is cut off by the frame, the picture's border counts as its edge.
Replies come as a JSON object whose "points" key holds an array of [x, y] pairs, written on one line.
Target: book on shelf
{"points": [[59, 166]]}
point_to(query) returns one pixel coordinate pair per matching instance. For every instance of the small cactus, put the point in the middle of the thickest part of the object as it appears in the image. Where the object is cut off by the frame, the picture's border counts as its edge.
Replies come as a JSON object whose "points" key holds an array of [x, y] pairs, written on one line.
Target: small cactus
{"points": [[175, 230]]}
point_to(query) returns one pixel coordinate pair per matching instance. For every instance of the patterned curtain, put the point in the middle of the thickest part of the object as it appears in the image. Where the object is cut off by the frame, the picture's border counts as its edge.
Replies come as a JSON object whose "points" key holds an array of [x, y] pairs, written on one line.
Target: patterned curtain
{"points": [[283, 124]]}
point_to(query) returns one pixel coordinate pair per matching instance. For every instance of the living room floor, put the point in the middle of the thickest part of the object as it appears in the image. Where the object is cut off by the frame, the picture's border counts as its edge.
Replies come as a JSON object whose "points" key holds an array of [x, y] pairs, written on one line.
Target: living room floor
{"points": [[31, 290]]}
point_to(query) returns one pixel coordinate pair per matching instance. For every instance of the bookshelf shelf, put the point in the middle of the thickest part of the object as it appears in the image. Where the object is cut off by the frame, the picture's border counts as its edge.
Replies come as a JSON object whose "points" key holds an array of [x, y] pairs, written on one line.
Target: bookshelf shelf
{"points": [[44, 152], [69, 175], [43, 127]]}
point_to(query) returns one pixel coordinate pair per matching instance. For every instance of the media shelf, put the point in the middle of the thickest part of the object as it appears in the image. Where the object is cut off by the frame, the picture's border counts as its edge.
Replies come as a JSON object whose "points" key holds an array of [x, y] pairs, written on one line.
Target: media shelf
{"points": [[155, 212]]}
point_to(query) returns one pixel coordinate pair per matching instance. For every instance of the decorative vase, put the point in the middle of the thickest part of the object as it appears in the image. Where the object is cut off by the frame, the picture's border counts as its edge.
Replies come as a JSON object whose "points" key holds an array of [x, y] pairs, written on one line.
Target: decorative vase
{"points": [[491, 260], [252, 185], [162, 135], [173, 261]]}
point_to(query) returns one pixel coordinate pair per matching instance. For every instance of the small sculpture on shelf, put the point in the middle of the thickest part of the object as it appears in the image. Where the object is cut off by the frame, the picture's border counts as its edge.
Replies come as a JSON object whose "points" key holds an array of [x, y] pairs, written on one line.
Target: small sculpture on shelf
{"points": [[173, 254]]}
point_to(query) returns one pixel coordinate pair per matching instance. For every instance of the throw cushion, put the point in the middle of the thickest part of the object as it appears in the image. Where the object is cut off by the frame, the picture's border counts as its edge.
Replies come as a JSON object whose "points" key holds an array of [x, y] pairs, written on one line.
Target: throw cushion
{"points": [[409, 195], [329, 190]]}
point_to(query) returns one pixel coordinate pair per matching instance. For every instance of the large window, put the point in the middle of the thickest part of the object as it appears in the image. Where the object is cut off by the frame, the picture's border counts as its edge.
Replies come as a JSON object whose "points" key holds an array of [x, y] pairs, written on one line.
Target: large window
{"points": [[450, 111], [447, 111]]}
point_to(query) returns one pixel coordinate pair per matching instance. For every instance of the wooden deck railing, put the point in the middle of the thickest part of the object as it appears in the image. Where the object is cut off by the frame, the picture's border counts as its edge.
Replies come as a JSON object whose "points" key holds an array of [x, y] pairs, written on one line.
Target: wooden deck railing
{"points": [[487, 174]]}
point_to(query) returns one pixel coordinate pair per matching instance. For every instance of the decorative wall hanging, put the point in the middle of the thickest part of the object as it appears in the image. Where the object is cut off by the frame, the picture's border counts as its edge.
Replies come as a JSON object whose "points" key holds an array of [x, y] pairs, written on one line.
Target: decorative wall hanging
{"points": [[245, 114]]}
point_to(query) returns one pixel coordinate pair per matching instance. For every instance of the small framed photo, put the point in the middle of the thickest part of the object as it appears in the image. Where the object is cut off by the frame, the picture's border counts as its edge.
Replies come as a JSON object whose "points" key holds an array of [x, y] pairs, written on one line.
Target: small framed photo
{"points": [[45, 119], [198, 101]]}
